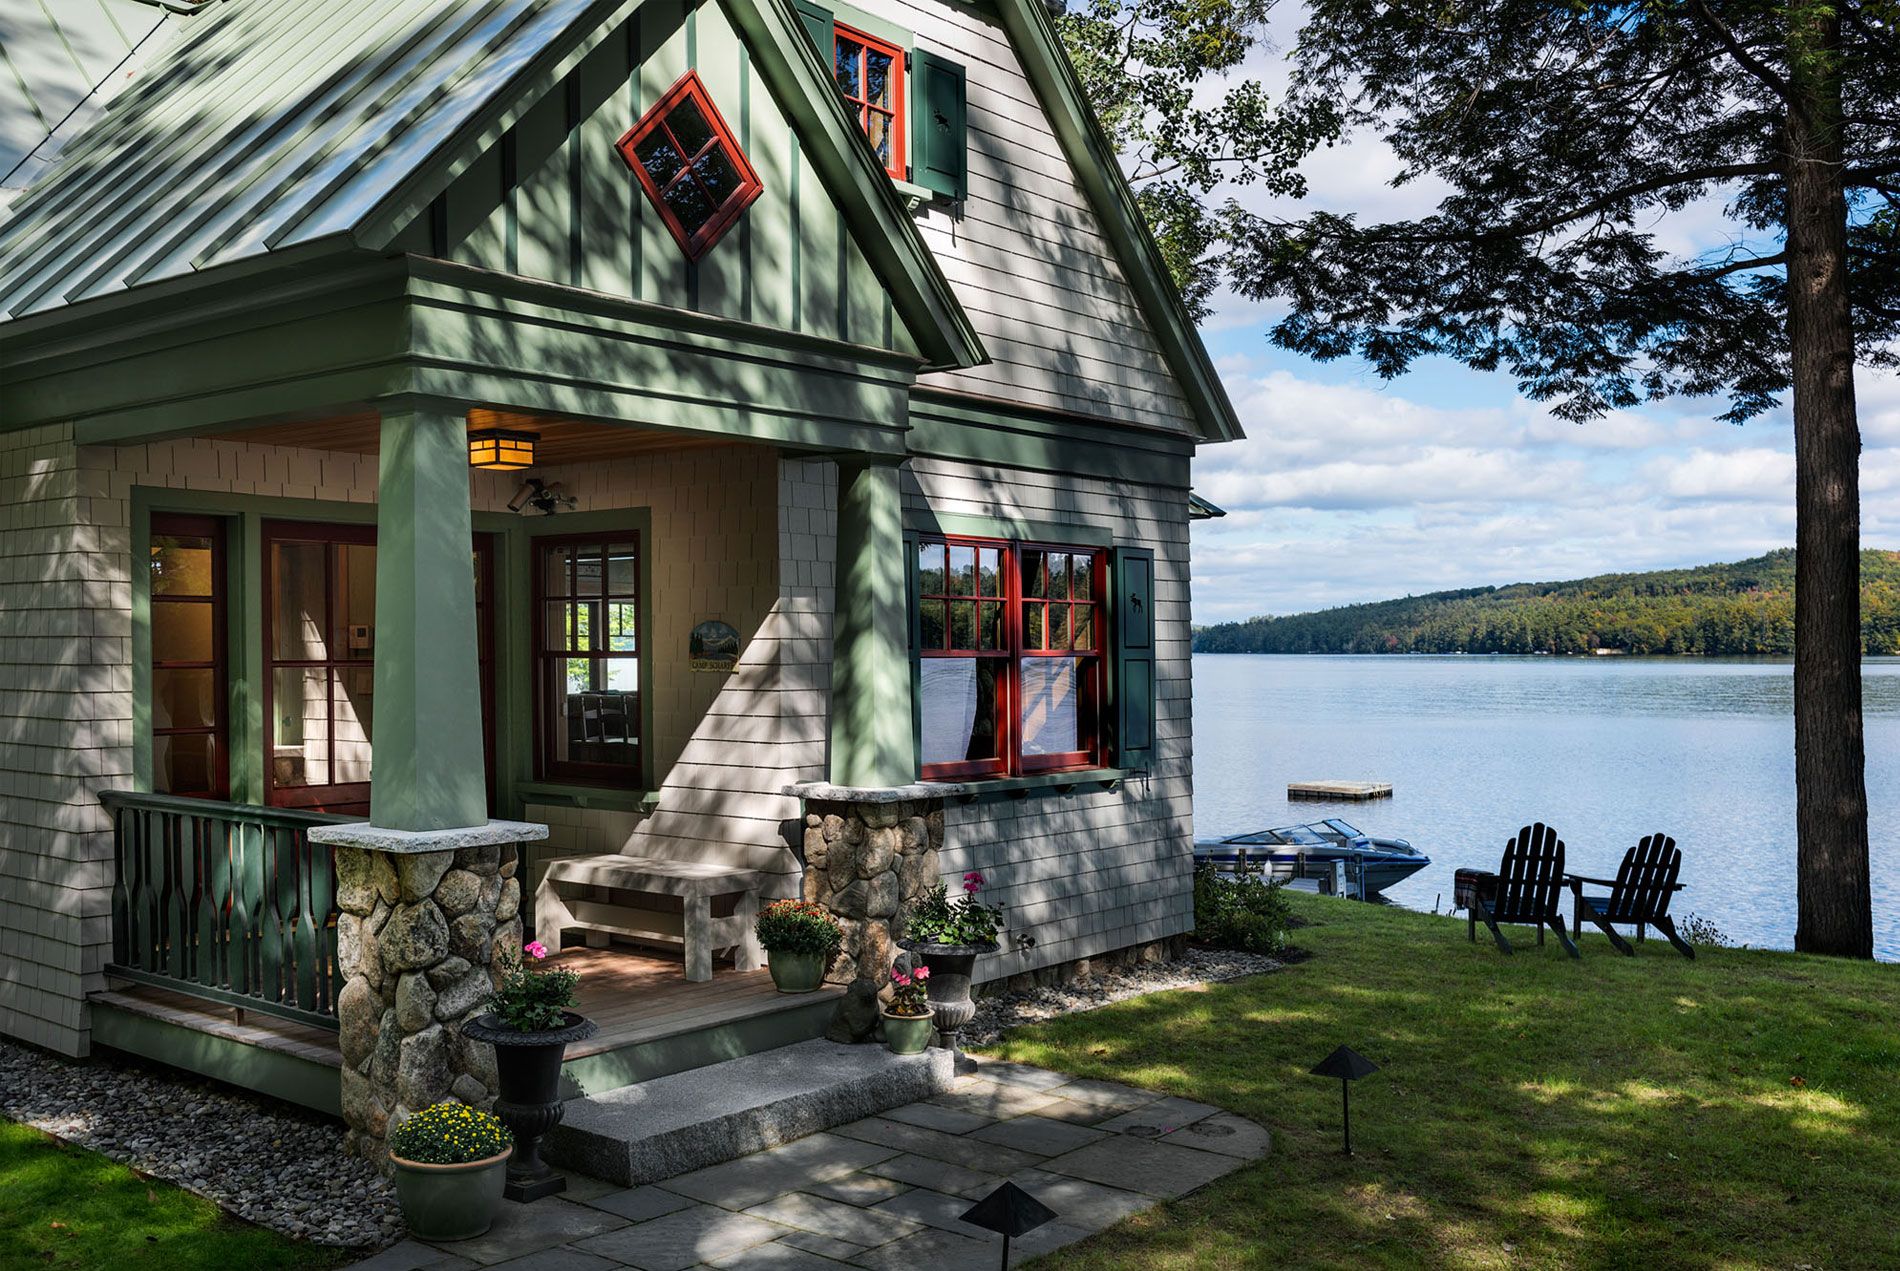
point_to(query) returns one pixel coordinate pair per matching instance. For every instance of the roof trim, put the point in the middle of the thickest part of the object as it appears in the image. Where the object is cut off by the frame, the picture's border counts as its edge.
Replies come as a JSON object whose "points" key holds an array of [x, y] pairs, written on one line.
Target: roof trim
{"points": [[802, 86], [1098, 170]]}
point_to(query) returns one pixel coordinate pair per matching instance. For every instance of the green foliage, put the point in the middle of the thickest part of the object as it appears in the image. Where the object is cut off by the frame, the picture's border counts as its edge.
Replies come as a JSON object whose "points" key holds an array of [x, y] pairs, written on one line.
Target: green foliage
{"points": [[1742, 608], [1564, 134], [531, 1000], [794, 926], [936, 919], [1533, 1112], [1163, 76], [449, 1134], [910, 993], [64, 1207], [1239, 913]]}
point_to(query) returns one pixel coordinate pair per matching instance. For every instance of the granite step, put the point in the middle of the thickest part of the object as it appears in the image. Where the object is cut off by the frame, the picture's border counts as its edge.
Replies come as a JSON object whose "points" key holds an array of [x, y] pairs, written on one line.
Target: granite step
{"points": [[707, 1116]]}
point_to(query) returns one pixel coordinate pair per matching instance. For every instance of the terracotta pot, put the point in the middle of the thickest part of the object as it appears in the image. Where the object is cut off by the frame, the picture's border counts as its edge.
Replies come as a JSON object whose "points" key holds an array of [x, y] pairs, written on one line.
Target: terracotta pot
{"points": [[449, 1202]]}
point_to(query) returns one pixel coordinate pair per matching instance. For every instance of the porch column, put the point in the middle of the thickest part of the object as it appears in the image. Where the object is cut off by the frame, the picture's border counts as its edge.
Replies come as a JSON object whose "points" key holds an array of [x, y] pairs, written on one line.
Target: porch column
{"points": [[426, 740], [872, 743]]}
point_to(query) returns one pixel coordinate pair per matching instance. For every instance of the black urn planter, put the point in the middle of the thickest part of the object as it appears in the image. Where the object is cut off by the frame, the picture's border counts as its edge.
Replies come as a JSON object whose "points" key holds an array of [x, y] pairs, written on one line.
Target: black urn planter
{"points": [[529, 1104], [951, 968]]}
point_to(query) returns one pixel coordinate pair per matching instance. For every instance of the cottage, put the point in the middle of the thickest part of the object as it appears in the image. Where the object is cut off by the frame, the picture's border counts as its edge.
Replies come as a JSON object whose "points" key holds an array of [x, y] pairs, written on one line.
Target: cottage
{"points": [[481, 467]]}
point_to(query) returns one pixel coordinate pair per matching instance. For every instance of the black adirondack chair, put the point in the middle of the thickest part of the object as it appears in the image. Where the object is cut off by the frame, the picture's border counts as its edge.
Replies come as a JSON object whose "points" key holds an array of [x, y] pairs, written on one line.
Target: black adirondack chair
{"points": [[1529, 883], [1639, 894]]}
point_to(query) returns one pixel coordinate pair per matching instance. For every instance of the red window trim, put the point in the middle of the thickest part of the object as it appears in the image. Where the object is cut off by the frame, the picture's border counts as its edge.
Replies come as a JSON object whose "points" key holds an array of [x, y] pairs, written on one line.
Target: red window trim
{"points": [[694, 243], [1011, 760], [211, 528], [546, 767], [861, 106]]}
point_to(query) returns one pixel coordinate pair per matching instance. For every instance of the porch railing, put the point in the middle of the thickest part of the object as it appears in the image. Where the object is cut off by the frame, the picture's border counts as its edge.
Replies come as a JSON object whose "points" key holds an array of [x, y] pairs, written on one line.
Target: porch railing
{"points": [[226, 902]]}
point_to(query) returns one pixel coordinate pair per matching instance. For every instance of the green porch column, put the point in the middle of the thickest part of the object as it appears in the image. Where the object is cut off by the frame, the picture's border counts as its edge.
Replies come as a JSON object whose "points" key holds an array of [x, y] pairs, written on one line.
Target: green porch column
{"points": [[426, 738], [872, 743]]}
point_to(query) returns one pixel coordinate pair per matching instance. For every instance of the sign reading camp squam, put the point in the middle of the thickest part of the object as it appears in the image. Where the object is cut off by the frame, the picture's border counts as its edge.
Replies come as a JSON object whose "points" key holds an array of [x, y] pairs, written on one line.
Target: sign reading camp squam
{"points": [[713, 646]]}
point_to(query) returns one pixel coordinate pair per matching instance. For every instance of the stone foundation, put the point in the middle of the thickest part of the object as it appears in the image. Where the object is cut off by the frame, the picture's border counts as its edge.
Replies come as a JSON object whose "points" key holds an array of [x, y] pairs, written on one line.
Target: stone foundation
{"points": [[421, 938], [1081, 970], [865, 861]]}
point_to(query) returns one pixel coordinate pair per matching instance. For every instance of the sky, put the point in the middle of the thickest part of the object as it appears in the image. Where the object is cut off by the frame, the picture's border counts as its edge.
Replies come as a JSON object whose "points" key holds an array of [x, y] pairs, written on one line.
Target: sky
{"points": [[1350, 488]]}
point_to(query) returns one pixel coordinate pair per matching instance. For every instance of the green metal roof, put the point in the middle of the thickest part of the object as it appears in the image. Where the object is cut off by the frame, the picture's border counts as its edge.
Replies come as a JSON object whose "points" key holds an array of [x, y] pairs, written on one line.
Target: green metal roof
{"points": [[274, 123], [60, 61]]}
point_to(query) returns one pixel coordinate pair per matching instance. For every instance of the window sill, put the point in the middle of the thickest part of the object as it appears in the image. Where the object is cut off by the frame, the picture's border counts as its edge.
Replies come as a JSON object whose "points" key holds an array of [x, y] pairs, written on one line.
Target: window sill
{"points": [[1054, 782], [602, 799]]}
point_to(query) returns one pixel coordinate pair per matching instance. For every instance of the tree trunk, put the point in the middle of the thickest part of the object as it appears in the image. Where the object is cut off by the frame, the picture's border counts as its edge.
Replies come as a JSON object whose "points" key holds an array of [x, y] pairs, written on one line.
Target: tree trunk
{"points": [[1834, 899]]}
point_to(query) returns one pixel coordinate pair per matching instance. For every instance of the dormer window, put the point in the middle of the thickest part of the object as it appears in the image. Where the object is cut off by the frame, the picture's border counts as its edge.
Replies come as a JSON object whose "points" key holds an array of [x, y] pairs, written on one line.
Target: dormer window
{"points": [[691, 167], [870, 75]]}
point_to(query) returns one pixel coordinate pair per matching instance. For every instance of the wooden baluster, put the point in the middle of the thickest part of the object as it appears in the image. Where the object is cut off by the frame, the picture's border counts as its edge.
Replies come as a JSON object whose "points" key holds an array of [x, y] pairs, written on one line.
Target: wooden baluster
{"points": [[280, 901], [218, 968], [324, 911], [204, 957], [121, 890], [247, 889], [298, 860], [152, 858], [178, 856]]}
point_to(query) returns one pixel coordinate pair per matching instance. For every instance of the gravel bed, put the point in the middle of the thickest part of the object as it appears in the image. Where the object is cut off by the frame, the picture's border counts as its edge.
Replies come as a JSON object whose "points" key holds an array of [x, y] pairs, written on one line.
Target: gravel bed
{"points": [[262, 1160], [997, 1014]]}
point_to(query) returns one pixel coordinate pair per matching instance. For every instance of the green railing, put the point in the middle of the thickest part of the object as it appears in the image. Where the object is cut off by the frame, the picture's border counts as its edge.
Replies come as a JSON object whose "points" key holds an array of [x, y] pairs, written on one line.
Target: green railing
{"points": [[226, 902]]}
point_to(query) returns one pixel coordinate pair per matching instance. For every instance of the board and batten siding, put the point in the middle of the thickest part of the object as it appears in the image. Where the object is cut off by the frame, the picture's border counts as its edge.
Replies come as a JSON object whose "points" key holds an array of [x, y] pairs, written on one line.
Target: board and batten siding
{"points": [[1028, 259], [579, 217]]}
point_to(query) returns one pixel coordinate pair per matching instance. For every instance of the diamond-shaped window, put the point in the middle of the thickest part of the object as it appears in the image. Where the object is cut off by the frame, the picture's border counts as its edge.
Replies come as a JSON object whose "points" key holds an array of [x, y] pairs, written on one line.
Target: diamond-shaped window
{"points": [[691, 166]]}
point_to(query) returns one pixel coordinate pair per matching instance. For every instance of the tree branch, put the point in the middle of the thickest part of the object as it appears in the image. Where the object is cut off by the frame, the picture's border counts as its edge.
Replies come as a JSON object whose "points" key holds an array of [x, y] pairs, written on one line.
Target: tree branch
{"points": [[1737, 50]]}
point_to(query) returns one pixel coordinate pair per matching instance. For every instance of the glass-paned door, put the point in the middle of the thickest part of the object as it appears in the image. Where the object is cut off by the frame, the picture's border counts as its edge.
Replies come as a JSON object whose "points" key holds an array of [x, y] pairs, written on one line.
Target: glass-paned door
{"points": [[320, 658], [189, 694]]}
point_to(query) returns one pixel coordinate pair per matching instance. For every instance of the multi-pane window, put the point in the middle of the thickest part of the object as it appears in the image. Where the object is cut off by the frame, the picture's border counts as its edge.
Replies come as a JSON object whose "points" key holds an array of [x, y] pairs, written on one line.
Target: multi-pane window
{"points": [[1010, 642], [691, 166], [186, 560], [870, 75], [587, 659]]}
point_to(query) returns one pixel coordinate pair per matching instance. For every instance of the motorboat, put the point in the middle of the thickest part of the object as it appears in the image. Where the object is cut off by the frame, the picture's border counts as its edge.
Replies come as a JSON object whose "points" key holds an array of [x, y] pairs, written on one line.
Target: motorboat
{"points": [[1358, 864]]}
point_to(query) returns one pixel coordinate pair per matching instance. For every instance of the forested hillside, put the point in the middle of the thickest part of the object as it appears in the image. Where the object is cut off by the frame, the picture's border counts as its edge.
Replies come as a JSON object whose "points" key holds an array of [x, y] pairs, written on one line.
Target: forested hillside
{"points": [[1746, 607]]}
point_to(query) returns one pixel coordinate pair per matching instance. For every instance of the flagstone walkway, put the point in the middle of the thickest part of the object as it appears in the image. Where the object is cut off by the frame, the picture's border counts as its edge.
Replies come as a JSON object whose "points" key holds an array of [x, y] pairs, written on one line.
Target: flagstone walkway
{"points": [[884, 1192]]}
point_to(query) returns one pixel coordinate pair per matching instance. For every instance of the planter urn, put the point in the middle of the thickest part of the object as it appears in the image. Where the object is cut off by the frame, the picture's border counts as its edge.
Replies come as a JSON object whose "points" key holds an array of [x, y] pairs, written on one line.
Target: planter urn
{"points": [[907, 1034], [951, 968], [796, 972], [529, 1065], [449, 1202]]}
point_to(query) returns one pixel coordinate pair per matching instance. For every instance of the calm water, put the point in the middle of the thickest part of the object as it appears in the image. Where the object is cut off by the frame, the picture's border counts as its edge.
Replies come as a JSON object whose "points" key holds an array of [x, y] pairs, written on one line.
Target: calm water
{"points": [[1606, 750]]}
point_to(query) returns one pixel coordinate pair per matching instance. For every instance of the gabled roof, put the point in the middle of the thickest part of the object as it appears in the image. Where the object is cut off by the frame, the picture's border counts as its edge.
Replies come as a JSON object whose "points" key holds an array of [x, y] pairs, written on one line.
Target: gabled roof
{"points": [[1097, 167], [296, 125]]}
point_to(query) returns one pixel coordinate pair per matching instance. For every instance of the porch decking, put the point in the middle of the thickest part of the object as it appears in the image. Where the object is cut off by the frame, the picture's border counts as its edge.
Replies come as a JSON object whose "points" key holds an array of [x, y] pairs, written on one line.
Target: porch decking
{"points": [[653, 1022]]}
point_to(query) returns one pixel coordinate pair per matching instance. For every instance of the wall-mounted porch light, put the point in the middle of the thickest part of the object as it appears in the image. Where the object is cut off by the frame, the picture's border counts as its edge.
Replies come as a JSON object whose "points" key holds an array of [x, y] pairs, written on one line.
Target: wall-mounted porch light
{"points": [[501, 449]]}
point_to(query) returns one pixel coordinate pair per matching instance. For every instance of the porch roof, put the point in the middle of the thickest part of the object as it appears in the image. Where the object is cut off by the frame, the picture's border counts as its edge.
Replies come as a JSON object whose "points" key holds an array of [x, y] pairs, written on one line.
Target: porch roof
{"points": [[301, 127]]}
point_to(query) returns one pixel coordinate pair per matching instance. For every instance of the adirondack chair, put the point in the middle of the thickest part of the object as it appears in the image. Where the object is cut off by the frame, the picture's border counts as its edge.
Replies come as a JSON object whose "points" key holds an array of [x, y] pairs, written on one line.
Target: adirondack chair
{"points": [[1639, 894], [1529, 882]]}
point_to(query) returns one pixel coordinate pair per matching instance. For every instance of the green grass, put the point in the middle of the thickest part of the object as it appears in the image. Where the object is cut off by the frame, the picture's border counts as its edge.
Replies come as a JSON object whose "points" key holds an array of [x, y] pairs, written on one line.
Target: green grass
{"points": [[1737, 1111], [62, 1206]]}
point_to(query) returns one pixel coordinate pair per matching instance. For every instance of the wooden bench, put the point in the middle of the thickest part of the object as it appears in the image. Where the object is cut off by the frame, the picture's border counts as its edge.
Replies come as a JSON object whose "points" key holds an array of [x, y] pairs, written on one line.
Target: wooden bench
{"points": [[671, 901]]}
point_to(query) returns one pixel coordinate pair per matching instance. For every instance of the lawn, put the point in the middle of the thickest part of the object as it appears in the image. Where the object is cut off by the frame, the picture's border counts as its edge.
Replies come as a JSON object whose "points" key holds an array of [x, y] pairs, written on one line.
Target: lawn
{"points": [[1737, 1111], [62, 1206]]}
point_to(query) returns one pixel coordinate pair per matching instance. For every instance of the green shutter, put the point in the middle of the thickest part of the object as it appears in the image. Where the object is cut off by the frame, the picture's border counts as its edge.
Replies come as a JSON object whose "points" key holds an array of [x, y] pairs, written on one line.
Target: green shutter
{"points": [[1132, 583], [818, 23], [938, 151]]}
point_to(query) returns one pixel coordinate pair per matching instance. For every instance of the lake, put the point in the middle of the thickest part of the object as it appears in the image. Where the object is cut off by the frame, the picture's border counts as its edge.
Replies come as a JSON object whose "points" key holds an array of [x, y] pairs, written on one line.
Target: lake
{"points": [[1604, 749]]}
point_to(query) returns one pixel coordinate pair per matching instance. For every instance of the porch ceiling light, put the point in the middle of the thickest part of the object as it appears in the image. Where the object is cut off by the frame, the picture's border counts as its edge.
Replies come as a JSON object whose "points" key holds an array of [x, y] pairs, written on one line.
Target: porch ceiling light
{"points": [[501, 449]]}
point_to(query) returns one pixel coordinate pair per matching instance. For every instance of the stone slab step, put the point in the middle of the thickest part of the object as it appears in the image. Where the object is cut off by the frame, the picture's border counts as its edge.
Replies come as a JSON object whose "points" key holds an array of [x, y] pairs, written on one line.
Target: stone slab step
{"points": [[689, 1120]]}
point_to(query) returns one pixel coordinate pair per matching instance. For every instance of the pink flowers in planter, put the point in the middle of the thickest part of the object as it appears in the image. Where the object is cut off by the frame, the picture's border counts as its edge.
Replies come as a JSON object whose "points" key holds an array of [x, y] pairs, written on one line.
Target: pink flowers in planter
{"points": [[535, 949], [973, 882], [908, 993]]}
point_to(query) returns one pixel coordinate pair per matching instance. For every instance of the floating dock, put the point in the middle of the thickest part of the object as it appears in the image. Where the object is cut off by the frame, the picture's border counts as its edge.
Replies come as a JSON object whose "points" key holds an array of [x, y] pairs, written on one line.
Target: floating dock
{"points": [[1342, 791]]}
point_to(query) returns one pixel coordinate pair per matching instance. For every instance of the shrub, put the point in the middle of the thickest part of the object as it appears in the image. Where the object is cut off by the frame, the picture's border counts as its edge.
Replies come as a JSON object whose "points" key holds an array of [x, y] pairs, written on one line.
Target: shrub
{"points": [[910, 994], [449, 1134], [1699, 930], [937, 919], [797, 926], [531, 1000], [1240, 913]]}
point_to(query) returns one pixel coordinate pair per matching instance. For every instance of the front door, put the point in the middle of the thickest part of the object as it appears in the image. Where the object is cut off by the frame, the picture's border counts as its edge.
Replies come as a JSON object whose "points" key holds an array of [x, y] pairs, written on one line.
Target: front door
{"points": [[319, 588]]}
